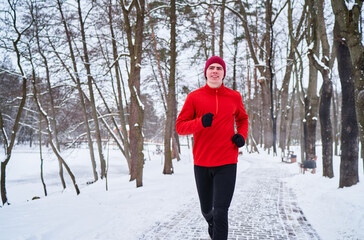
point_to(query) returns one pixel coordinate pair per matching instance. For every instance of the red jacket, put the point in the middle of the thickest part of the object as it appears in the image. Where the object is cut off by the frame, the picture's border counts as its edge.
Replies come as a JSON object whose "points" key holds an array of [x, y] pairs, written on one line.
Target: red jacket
{"points": [[213, 145]]}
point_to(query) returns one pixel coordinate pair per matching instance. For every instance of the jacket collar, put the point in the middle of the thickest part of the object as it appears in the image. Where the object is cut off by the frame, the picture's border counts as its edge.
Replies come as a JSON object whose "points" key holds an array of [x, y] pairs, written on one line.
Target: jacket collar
{"points": [[219, 90]]}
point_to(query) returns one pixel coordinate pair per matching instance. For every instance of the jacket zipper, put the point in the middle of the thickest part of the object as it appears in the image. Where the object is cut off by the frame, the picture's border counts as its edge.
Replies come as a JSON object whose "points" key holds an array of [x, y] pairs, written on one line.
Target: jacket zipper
{"points": [[217, 103]]}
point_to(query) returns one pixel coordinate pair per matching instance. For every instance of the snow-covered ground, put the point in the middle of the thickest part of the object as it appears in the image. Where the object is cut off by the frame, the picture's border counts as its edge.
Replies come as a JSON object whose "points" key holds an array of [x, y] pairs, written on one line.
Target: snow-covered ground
{"points": [[126, 212]]}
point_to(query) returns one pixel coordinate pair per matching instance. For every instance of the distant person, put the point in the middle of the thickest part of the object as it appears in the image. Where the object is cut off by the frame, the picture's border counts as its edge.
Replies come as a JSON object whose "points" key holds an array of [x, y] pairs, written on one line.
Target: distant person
{"points": [[209, 114], [310, 163]]}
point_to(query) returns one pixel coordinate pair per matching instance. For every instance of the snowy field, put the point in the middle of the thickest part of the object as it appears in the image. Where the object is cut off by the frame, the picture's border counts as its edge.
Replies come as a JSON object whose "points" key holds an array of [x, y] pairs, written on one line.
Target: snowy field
{"points": [[126, 212]]}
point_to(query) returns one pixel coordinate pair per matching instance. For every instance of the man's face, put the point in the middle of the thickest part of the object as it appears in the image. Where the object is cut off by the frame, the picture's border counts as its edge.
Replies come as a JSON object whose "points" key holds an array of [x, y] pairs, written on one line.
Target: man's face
{"points": [[214, 74]]}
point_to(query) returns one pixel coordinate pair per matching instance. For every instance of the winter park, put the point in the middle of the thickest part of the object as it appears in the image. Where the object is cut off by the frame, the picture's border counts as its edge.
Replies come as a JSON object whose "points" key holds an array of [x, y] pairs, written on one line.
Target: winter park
{"points": [[181, 119]]}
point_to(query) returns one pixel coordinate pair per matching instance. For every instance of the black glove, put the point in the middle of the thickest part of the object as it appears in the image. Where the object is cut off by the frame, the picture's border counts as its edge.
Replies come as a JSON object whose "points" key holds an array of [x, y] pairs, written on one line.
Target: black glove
{"points": [[238, 140], [207, 119]]}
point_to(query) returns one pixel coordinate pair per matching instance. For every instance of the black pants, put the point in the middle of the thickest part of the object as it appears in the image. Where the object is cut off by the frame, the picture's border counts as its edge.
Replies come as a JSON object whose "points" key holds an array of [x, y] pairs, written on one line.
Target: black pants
{"points": [[215, 186]]}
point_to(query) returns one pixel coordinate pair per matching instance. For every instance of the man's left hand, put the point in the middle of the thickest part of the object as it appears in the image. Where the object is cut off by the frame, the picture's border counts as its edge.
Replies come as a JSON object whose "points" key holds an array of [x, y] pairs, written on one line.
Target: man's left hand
{"points": [[238, 140]]}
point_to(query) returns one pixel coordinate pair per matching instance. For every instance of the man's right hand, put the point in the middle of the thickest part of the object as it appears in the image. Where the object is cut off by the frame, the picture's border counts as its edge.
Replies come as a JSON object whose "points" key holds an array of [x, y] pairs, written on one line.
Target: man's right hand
{"points": [[207, 119]]}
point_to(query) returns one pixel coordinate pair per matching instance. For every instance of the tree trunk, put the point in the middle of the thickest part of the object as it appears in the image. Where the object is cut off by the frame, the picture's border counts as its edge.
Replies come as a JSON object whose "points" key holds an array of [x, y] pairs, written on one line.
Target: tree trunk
{"points": [[255, 118], [108, 128], [234, 64], [305, 127], [350, 22], [171, 102], [52, 108], [168, 165], [222, 24], [301, 101], [261, 128], [40, 155], [270, 74], [290, 123], [326, 127], [65, 165], [136, 116], [123, 121], [325, 121], [175, 137], [349, 126], [80, 93], [9, 143], [325, 93], [4, 198], [50, 130], [212, 25], [284, 102], [87, 65], [312, 98], [266, 118], [295, 39], [335, 123], [175, 143]]}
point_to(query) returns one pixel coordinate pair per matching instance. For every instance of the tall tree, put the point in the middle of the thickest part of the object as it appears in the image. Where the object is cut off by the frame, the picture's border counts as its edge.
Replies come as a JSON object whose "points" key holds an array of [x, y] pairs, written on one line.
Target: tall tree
{"points": [[75, 76], [90, 79], [53, 119], [49, 126], [134, 33], [171, 99], [312, 100], [120, 105], [349, 126], [326, 92], [295, 37], [263, 81], [336, 132], [350, 23], [211, 20], [269, 71], [41, 156], [10, 141], [222, 27]]}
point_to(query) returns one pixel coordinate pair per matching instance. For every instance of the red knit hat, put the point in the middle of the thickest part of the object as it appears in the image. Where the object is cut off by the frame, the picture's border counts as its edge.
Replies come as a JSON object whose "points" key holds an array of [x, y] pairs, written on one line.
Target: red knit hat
{"points": [[215, 59]]}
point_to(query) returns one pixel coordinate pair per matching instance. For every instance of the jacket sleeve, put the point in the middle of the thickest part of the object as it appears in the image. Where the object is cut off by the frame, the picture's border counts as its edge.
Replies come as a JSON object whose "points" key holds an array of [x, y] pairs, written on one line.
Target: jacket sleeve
{"points": [[186, 122], [242, 119]]}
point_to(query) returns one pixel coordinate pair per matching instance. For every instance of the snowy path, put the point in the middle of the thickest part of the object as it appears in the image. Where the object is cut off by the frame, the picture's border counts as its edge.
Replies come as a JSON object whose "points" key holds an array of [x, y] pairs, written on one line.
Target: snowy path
{"points": [[263, 207]]}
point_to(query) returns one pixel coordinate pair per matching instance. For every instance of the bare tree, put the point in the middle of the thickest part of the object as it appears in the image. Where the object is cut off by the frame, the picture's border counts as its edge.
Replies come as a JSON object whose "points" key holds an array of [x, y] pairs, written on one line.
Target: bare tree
{"points": [[49, 126], [253, 49], [269, 73], [38, 26], [266, 70], [295, 37], [211, 19], [90, 78], [350, 21], [41, 155], [120, 105], [9, 140], [135, 44], [311, 100], [75, 76], [349, 126], [236, 41], [171, 99], [326, 92], [336, 131], [222, 27]]}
